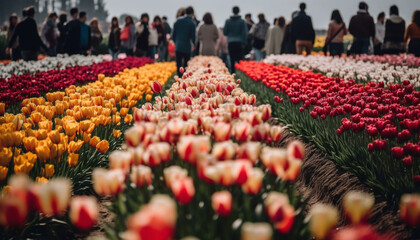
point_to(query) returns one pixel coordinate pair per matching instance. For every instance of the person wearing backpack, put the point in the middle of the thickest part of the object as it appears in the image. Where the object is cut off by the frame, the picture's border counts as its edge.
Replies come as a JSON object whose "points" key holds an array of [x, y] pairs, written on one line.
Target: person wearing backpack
{"points": [[128, 36]]}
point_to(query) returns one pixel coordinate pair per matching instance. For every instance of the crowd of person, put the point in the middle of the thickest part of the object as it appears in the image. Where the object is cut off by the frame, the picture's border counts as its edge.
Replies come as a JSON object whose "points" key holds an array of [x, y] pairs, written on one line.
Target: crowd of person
{"points": [[239, 37]]}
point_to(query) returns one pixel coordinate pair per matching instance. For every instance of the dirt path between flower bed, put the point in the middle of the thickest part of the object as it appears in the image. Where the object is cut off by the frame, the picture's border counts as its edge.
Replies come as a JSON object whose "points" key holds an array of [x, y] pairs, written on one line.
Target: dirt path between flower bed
{"points": [[322, 181]]}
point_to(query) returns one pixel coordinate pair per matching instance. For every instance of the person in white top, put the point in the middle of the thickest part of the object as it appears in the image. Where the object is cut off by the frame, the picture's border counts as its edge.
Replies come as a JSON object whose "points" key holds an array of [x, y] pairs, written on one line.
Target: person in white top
{"points": [[274, 37], [380, 34], [147, 38]]}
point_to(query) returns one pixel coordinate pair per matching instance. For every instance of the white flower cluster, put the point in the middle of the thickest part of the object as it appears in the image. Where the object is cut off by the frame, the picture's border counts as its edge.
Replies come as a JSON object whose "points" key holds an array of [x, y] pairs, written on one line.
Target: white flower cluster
{"points": [[49, 63], [349, 68]]}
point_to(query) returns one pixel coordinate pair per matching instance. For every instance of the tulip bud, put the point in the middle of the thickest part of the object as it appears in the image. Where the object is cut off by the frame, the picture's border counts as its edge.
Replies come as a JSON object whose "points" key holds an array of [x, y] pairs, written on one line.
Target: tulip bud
{"points": [[183, 190], [141, 175], [83, 212], [323, 219], [357, 206], [156, 87], [256, 231], [410, 209], [222, 202]]}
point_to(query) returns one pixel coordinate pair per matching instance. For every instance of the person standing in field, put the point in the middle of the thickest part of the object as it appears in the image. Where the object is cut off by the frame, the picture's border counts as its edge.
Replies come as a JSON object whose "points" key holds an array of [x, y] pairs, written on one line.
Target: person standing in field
{"points": [[61, 26], [412, 35], [394, 33], [114, 41], [380, 34], [49, 34], [128, 36], [288, 45], [259, 32], [95, 34], [15, 50], [362, 27], [207, 36], [274, 37], [335, 34], [303, 31], [72, 38]]}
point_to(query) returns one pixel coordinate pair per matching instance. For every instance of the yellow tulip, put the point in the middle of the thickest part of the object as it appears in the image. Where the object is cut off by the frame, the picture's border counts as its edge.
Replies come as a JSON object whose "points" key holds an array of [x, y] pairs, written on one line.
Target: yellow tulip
{"points": [[72, 159], [3, 173], [102, 146], [54, 136], [94, 141], [5, 156]]}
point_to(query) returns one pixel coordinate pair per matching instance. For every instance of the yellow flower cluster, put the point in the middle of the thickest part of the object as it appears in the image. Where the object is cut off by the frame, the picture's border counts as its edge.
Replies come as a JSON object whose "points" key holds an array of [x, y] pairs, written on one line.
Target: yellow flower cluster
{"points": [[62, 122]]}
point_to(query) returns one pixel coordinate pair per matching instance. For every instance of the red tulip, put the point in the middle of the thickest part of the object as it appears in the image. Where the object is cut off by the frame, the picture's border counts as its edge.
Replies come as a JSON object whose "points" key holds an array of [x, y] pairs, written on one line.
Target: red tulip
{"points": [[183, 190], [156, 87], [181, 70], [83, 212], [222, 202], [280, 212]]}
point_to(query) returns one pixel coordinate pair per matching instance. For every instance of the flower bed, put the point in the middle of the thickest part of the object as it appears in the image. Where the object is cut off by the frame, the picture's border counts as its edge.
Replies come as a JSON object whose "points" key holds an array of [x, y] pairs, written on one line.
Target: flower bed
{"points": [[369, 131], [17, 88], [347, 69], [396, 60], [60, 62]]}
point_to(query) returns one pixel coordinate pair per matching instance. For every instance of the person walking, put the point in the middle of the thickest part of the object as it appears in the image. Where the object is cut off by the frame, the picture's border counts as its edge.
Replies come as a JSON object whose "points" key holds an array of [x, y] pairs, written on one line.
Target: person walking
{"points": [[412, 35], [61, 26], [394, 33], [153, 41], [163, 55], [128, 36], [362, 28], [288, 45], [303, 31], [29, 40], [258, 33], [49, 34], [184, 37], [236, 31], [274, 37], [222, 48], [143, 33], [249, 23], [15, 50], [379, 34], [114, 41], [158, 25], [95, 35], [85, 33], [72, 42], [207, 36], [335, 34]]}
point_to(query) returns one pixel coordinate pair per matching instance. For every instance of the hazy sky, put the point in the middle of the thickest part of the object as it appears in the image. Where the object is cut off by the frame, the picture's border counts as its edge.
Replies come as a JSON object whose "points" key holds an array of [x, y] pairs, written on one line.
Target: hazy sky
{"points": [[319, 10]]}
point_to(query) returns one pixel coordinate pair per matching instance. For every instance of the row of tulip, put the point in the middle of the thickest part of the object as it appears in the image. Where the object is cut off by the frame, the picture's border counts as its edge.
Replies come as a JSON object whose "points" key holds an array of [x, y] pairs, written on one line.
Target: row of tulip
{"points": [[397, 60], [200, 164], [67, 134], [369, 131], [17, 88], [60, 62], [348, 69]]}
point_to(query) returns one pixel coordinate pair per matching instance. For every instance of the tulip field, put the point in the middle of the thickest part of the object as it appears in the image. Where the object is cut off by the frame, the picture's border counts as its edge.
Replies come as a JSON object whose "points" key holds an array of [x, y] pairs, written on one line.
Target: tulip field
{"points": [[127, 149]]}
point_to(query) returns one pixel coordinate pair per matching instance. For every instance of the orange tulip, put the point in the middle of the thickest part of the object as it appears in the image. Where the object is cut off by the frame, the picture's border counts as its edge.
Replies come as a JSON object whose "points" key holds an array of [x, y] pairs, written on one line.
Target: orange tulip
{"points": [[73, 159], [222, 202], [2, 108], [43, 152], [30, 143], [94, 141], [128, 118], [87, 126], [5, 156], [116, 133], [84, 212], [54, 136], [102, 146], [123, 111], [48, 170], [75, 146], [3, 173]]}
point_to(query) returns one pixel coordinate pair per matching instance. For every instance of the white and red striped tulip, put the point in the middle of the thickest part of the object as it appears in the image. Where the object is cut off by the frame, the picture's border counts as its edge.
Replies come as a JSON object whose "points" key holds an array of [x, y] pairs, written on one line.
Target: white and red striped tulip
{"points": [[242, 168], [108, 182], [221, 131], [134, 135], [260, 132], [256, 231], [173, 173], [357, 206], [274, 158], [141, 175], [323, 219], [241, 131], [190, 147], [221, 203], [280, 212], [84, 212], [164, 150], [156, 87], [410, 209], [224, 150], [121, 160], [266, 111], [296, 150], [275, 133], [137, 154], [249, 150], [254, 183], [183, 190], [53, 197]]}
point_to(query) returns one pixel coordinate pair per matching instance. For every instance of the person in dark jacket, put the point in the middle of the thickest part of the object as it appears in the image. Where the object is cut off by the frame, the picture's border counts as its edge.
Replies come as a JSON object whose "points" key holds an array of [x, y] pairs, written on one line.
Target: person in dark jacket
{"points": [[72, 42], [412, 34], [167, 33], [85, 32], [95, 35], [237, 32], [29, 40], [303, 31], [184, 37], [13, 22], [62, 32], [249, 23], [394, 33], [259, 32], [362, 27], [114, 41], [288, 46]]}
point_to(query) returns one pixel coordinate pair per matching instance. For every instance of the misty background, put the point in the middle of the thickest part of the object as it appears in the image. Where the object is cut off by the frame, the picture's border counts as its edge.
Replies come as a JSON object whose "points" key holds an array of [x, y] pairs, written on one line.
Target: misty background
{"points": [[319, 10]]}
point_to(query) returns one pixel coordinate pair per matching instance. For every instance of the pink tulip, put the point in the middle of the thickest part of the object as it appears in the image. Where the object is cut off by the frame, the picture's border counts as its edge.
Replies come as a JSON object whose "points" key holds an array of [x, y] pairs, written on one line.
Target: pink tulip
{"points": [[183, 190], [222, 202]]}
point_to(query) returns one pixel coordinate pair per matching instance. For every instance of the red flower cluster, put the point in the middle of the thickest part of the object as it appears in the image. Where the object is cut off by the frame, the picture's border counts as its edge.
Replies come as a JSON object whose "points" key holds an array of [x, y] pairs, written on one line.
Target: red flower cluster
{"points": [[386, 114], [24, 86]]}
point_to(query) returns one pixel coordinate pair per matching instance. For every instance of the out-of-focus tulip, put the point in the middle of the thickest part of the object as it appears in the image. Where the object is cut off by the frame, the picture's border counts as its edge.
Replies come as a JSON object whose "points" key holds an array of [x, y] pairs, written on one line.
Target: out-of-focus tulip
{"points": [[224, 150], [116, 133], [134, 135], [155, 220], [275, 133], [254, 183], [241, 170], [173, 173], [156, 87], [241, 131], [256, 231], [2, 108], [190, 147], [357, 232], [13, 210], [323, 219], [84, 212], [3, 173], [141, 175], [221, 131], [102, 146], [296, 150], [410, 209], [53, 197], [108, 182], [183, 190], [73, 159], [222, 202], [120, 160], [281, 213], [250, 151], [6, 155], [357, 206]]}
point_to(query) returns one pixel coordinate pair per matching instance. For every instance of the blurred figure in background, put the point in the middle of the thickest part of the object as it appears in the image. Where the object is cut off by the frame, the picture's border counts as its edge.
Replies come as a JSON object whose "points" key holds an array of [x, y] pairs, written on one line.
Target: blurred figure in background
{"points": [[167, 31], [237, 32], [222, 48], [274, 38], [380, 34], [29, 40], [128, 36], [288, 45], [72, 43], [303, 31], [13, 22], [85, 31], [61, 26], [49, 34], [394, 33], [362, 28], [114, 41], [207, 36], [258, 32], [95, 34], [158, 25], [153, 41], [412, 35], [143, 33], [249, 24], [335, 34]]}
